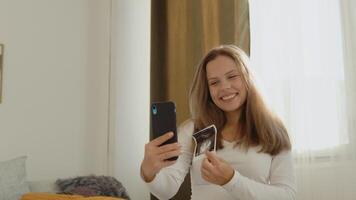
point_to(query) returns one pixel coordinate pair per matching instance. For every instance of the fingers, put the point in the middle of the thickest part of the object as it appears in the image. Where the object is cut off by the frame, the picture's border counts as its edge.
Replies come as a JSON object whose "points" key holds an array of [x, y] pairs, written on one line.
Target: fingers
{"points": [[160, 140], [205, 174], [206, 165], [209, 164], [212, 158], [156, 156], [207, 170], [168, 147], [169, 154]]}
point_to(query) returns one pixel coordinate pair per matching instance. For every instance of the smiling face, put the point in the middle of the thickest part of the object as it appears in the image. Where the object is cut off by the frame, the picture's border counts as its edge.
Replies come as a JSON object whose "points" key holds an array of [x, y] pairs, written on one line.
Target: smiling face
{"points": [[226, 86]]}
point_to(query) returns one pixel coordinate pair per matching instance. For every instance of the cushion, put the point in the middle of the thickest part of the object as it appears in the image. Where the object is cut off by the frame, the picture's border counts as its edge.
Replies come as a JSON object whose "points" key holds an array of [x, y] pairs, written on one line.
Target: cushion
{"points": [[92, 186], [13, 179], [48, 196]]}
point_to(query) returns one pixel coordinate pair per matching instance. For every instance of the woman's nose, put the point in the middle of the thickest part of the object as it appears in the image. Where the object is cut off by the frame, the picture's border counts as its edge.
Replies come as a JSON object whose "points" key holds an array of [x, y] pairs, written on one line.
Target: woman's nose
{"points": [[225, 84]]}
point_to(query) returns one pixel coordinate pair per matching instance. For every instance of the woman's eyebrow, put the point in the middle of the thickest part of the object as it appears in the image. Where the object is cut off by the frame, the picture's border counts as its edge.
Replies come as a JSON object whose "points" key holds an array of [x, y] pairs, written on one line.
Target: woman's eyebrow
{"points": [[231, 71], [227, 73], [212, 78]]}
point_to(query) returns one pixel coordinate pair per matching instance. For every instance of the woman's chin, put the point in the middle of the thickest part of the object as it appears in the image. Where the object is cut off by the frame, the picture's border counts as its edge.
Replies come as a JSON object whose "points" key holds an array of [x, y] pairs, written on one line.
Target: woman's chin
{"points": [[229, 108]]}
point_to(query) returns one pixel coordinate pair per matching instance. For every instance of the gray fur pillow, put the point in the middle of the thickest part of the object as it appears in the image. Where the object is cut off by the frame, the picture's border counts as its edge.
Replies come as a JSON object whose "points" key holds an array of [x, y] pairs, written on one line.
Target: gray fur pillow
{"points": [[92, 186]]}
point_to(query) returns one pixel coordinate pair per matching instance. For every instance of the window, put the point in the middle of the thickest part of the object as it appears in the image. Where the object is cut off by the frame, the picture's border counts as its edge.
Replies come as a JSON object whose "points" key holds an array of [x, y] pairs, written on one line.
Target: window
{"points": [[297, 54]]}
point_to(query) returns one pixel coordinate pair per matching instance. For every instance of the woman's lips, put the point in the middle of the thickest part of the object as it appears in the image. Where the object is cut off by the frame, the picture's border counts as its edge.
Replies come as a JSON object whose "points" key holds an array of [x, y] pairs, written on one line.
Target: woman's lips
{"points": [[228, 97]]}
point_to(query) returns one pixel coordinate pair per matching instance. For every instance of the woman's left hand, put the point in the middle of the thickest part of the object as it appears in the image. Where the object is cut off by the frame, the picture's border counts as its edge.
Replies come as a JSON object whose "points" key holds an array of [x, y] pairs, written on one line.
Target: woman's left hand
{"points": [[215, 170]]}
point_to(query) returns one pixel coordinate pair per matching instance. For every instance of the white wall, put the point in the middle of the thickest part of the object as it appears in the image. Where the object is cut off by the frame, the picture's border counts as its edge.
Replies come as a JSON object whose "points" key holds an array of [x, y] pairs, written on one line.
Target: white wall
{"points": [[58, 83], [55, 92], [326, 181], [130, 87]]}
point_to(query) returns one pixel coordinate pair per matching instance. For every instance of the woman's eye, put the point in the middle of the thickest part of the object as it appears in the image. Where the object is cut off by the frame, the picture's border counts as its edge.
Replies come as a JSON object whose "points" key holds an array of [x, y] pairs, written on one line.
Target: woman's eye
{"points": [[213, 83]]}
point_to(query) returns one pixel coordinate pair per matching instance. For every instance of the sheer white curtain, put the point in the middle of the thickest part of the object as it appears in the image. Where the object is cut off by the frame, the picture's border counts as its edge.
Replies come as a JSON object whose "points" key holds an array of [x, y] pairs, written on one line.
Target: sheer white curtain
{"points": [[299, 55]]}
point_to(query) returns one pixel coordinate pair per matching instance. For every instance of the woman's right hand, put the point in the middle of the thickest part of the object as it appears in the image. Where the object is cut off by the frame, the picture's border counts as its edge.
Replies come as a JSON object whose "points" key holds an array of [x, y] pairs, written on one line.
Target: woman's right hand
{"points": [[156, 156]]}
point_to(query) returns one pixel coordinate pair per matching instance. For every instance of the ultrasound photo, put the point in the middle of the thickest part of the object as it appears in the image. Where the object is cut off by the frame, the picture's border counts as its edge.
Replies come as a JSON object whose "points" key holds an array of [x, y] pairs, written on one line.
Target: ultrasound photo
{"points": [[205, 140]]}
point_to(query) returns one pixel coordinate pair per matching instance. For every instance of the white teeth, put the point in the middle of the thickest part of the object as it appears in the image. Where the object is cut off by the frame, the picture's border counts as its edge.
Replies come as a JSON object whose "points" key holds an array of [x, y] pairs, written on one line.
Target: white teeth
{"points": [[228, 97]]}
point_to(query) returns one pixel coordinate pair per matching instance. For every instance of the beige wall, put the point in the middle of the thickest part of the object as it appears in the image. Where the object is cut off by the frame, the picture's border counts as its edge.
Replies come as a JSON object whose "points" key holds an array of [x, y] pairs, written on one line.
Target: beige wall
{"points": [[55, 85]]}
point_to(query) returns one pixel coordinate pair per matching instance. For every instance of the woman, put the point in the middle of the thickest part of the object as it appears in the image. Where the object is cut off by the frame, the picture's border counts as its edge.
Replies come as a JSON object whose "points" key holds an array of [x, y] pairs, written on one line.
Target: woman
{"points": [[253, 158]]}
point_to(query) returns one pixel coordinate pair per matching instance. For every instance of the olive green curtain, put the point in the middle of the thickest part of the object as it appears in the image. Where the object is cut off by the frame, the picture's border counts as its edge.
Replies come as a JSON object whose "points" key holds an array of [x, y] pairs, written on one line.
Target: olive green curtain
{"points": [[182, 33]]}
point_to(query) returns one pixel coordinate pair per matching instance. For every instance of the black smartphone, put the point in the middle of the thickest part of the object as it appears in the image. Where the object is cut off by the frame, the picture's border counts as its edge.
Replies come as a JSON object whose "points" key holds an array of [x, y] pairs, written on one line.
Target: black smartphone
{"points": [[163, 119]]}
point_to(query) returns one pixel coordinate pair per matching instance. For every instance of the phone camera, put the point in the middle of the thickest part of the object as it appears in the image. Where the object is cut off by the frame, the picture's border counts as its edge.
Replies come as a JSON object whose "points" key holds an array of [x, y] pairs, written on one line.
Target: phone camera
{"points": [[154, 109]]}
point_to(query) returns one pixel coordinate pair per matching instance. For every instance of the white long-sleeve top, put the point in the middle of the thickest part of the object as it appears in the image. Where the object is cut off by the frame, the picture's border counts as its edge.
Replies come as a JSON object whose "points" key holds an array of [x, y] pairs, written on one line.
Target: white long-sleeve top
{"points": [[257, 175]]}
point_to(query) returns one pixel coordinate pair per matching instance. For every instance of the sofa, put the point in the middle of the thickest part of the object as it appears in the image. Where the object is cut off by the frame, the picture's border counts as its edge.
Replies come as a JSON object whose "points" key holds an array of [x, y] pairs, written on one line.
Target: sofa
{"points": [[14, 185]]}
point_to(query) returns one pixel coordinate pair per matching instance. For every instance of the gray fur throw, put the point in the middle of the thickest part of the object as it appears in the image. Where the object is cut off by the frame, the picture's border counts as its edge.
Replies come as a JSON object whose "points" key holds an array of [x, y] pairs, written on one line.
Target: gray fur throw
{"points": [[92, 186]]}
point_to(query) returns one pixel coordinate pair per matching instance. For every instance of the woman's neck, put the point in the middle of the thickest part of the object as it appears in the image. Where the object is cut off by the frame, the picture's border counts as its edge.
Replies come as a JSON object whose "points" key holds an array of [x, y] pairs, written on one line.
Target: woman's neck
{"points": [[232, 118], [230, 130]]}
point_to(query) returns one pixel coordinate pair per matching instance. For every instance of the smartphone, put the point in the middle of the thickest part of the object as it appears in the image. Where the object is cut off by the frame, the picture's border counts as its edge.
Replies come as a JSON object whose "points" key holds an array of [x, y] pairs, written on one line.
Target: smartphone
{"points": [[163, 119]]}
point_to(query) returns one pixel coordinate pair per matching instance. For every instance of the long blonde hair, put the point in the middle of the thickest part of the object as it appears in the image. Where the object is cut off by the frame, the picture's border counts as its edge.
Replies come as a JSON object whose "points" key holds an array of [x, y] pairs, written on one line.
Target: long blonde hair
{"points": [[257, 124]]}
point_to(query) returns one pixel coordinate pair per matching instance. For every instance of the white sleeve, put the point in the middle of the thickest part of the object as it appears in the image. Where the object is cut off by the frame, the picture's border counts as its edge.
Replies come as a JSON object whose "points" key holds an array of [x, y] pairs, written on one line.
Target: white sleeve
{"points": [[282, 184], [167, 182]]}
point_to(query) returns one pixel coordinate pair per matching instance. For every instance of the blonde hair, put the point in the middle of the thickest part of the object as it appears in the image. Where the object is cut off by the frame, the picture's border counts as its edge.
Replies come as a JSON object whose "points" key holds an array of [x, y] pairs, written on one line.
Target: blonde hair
{"points": [[257, 124]]}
